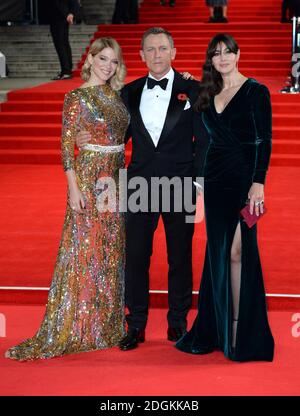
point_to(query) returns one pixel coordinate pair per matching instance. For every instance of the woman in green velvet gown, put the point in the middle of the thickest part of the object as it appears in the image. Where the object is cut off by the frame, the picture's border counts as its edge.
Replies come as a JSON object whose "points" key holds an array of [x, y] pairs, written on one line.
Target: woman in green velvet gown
{"points": [[236, 111]]}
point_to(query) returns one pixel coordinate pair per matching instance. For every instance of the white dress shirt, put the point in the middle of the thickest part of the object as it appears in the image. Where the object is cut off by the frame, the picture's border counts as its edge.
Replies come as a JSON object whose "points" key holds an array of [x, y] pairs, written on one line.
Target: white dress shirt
{"points": [[154, 106]]}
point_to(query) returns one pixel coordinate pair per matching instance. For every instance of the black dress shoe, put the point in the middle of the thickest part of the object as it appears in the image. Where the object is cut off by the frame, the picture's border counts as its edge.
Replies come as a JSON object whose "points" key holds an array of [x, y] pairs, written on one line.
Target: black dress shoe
{"points": [[66, 76], [172, 3], [162, 2], [61, 76], [174, 334], [132, 339], [56, 77], [210, 20]]}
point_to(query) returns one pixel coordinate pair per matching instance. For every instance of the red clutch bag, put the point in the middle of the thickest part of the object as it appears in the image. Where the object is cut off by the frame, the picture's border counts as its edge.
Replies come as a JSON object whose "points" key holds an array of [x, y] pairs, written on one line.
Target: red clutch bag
{"points": [[251, 219]]}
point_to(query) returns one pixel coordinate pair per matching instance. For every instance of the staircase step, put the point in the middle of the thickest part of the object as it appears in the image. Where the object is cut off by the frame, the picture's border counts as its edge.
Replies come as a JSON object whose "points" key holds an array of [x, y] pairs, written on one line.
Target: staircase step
{"points": [[285, 160], [34, 74], [31, 106], [30, 51], [34, 66], [287, 133], [286, 99], [17, 59], [33, 29], [30, 129], [174, 27], [281, 109], [283, 146], [207, 31], [247, 71], [287, 120], [34, 95], [33, 117], [38, 113], [199, 19], [30, 143], [98, 11], [133, 42]]}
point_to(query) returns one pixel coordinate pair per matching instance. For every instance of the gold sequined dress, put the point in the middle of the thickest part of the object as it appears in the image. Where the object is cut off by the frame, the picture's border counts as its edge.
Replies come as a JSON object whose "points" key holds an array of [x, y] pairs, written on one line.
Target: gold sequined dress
{"points": [[85, 309]]}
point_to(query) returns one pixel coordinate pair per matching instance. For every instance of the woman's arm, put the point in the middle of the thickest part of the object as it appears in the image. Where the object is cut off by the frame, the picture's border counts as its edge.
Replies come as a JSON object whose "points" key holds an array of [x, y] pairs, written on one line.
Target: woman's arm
{"points": [[263, 123], [71, 115]]}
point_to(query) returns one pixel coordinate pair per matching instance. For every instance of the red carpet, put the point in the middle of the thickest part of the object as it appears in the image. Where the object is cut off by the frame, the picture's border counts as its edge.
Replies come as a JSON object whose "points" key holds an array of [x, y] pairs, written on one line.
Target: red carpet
{"points": [[155, 368], [32, 213], [32, 181], [194, 11]]}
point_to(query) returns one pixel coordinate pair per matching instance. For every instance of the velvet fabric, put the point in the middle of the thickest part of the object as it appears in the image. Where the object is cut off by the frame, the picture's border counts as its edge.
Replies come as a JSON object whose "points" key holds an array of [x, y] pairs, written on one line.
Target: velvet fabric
{"points": [[238, 155]]}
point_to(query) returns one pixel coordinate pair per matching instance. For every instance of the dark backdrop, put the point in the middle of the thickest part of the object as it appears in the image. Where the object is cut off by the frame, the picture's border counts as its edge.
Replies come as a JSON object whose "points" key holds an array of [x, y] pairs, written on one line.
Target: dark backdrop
{"points": [[13, 10]]}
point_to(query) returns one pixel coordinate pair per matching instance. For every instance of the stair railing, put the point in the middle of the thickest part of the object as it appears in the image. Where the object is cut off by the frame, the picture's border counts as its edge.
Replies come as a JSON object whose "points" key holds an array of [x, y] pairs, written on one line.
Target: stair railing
{"points": [[294, 87]]}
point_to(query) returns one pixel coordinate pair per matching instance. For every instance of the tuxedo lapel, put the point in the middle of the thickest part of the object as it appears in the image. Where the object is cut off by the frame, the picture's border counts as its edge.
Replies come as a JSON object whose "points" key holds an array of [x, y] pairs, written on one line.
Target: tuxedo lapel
{"points": [[135, 101], [175, 108]]}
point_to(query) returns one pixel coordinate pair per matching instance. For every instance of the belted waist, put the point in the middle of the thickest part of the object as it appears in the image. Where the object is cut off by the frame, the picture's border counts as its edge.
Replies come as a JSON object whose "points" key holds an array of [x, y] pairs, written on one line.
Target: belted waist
{"points": [[104, 149]]}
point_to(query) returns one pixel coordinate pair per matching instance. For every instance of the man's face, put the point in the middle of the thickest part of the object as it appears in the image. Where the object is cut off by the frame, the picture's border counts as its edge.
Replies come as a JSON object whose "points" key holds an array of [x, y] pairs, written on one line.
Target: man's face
{"points": [[158, 54]]}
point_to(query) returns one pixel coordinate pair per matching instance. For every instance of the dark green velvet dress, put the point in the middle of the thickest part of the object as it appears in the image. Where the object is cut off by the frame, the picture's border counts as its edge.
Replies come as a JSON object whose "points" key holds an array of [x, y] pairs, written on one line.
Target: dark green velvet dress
{"points": [[238, 155]]}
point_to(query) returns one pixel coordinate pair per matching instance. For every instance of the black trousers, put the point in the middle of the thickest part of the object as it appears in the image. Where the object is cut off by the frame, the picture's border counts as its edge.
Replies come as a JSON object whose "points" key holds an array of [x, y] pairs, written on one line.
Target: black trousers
{"points": [[126, 11], [140, 229], [293, 8], [284, 8], [60, 34]]}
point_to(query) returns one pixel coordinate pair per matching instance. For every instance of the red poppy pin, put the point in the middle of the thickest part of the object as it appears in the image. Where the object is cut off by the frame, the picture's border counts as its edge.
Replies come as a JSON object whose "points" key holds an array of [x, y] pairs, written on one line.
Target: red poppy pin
{"points": [[182, 97]]}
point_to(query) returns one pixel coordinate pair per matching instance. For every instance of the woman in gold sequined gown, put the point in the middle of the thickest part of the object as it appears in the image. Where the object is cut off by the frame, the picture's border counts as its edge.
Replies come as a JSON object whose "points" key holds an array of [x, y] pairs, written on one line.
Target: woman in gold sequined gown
{"points": [[85, 309]]}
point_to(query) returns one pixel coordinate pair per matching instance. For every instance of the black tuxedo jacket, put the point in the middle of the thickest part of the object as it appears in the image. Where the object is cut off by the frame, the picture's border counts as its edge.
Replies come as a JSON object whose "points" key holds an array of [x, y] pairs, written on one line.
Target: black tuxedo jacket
{"points": [[59, 9], [183, 142]]}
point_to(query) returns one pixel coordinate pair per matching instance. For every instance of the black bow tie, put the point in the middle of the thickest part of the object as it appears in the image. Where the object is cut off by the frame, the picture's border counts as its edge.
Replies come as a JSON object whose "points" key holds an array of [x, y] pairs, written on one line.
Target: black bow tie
{"points": [[151, 82]]}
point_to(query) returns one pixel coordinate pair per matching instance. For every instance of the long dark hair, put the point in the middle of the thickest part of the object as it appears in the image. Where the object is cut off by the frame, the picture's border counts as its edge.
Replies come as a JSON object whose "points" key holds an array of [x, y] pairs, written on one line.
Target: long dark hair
{"points": [[212, 82]]}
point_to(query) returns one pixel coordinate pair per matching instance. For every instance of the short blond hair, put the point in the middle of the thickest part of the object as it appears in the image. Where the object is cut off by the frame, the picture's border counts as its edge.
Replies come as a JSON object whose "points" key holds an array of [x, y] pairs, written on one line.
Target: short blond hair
{"points": [[117, 80]]}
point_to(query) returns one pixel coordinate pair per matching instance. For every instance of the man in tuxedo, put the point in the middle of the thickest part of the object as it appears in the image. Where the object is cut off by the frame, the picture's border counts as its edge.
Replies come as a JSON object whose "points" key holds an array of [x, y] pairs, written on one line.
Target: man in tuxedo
{"points": [[168, 141], [62, 14]]}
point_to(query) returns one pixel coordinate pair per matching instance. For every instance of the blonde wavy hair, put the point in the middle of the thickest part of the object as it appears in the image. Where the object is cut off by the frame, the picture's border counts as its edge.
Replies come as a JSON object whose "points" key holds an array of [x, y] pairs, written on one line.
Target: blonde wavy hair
{"points": [[117, 80]]}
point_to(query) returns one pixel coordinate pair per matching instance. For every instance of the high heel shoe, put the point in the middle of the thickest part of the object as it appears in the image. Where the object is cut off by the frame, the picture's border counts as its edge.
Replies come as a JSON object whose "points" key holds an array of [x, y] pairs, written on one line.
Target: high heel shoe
{"points": [[233, 346]]}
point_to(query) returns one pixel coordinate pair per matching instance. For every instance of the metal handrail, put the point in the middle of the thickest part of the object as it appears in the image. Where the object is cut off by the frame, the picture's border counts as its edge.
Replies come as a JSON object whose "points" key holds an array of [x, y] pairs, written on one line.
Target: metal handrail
{"points": [[294, 88]]}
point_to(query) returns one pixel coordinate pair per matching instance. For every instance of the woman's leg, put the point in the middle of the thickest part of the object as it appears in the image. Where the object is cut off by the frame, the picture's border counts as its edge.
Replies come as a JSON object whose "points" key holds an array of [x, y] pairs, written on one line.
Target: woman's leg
{"points": [[224, 11], [236, 263]]}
